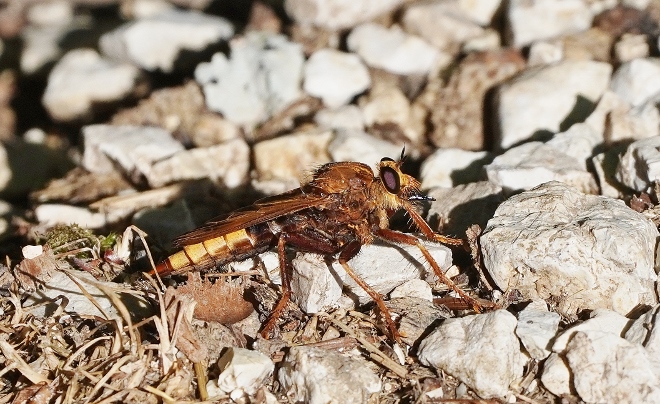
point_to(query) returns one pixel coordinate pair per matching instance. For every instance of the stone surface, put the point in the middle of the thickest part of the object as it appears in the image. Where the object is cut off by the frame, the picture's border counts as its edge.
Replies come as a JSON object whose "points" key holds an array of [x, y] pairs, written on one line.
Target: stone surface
{"points": [[337, 14], [545, 52], [227, 164], [261, 77], [393, 50], [243, 369], [528, 21], [534, 163], [382, 266], [292, 158], [458, 108], [346, 117], [637, 81], [450, 167], [319, 376], [579, 141], [553, 98], [414, 288], [51, 214], [639, 166], [335, 77], [600, 320], [481, 351], [536, 328], [584, 251], [456, 209], [607, 368], [134, 149], [352, 145], [156, 42], [442, 24], [631, 47], [81, 79], [556, 376]]}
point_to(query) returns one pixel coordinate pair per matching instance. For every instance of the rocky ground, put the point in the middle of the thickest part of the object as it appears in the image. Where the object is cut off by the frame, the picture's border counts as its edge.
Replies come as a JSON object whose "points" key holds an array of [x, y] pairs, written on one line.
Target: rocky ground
{"points": [[533, 124]]}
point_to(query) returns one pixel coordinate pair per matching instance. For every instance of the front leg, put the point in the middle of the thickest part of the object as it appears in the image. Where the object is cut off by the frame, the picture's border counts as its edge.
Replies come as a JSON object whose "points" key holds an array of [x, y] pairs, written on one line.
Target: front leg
{"points": [[349, 251], [427, 231], [397, 237]]}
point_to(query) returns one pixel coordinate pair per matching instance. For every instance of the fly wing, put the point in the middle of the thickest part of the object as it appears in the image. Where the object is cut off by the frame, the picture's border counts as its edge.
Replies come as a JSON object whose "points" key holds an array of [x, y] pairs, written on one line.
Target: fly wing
{"points": [[262, 211]]}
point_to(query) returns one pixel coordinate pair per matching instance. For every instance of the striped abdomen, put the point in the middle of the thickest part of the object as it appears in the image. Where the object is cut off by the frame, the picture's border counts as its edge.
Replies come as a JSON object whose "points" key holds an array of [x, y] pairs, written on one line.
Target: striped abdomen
{"points": [[208, 254]]}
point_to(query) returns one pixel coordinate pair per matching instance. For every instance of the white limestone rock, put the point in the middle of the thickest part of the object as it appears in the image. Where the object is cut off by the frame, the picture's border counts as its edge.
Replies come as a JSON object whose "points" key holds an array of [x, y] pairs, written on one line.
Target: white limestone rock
{"points": [[357, 145], [601, 320], [639, 167], [534, 163], [637, 81], [456, 209], [481, 351], [631, 46], [133, 149], [261, 77], [336, 15], [451, 167], [291, 158], [547, 95], [243, 369], [545, 53], [393, 50], [320, 376], [335, 77], [556, 376], [536, 328], [578, 141], [227, 164], [442, 24], [644, 331], [155, 42], [528, 21], [584, 251], [51, 214], [346, 117], [382, 266], [608, 369], [82, 78], [414, 288]]}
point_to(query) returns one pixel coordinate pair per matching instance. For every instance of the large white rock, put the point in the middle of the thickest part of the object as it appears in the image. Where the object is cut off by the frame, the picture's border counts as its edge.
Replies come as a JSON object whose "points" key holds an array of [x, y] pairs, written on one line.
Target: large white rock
{"points": [[335, 77], [155, 42], [556, 376], [134, 149], [318, 283], [227, 164], [82, 78], [393, 50], [601, 320], [450, 167], [442, 23], [261, 77], [337, 14], [51, 214], [639, 167], [321, 376], [534, 163], [481, 351], [637, 81], [608, 369], [582, 251], [357, 145], [541, 98], [531, 20]]}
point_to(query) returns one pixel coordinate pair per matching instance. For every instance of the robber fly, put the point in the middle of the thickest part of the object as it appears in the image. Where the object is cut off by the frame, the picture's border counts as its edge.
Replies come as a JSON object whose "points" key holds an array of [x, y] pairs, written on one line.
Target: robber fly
{"points": [[343, 207]]}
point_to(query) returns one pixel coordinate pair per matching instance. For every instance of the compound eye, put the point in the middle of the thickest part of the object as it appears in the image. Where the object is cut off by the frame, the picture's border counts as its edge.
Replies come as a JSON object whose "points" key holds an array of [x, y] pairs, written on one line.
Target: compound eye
{"points": [[390, 179], [385, 159]]}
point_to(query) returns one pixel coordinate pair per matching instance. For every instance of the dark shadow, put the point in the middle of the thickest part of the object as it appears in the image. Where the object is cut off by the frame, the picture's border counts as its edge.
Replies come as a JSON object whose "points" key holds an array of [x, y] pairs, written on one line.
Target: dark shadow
{"points": [[581, 110]]}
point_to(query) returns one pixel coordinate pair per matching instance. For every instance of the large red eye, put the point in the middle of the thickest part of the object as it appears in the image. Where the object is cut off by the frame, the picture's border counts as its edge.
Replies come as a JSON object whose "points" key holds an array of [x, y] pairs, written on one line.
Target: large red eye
{"points": [[390, 179]]}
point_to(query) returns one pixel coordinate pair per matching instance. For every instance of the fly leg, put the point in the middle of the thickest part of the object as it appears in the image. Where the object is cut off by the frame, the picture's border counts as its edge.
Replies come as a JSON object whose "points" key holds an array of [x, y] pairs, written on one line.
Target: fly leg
{"points": [[428, 232], [396, 237], [349, 251], [305, 240], [286, 288]]}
